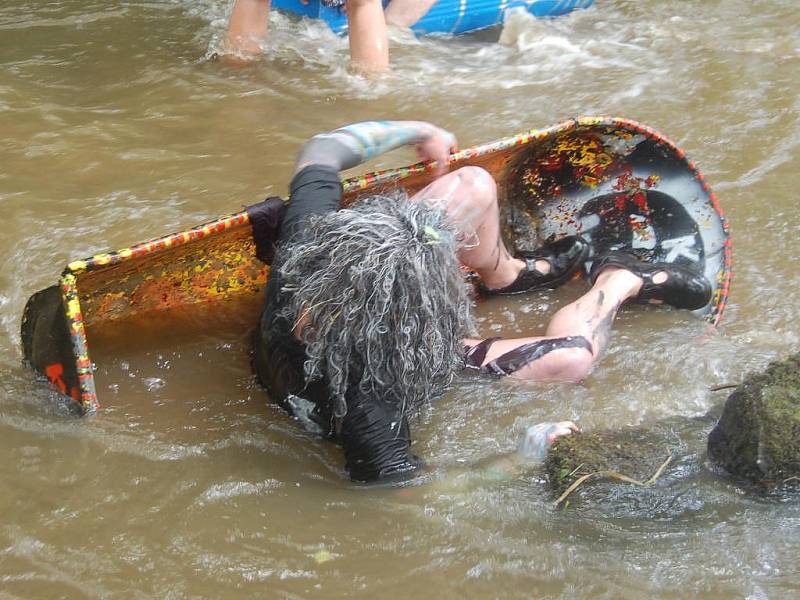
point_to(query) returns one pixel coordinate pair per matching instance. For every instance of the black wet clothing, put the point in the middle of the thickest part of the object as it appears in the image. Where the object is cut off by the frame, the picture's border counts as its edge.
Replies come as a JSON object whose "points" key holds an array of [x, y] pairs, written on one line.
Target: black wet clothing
{"points": [[374, 436], [519, 357]]}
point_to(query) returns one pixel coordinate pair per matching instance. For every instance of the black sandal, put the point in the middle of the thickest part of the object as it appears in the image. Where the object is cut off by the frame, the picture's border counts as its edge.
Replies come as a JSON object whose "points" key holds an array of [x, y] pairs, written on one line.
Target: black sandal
{"points": [[565, 256], [683, 288]]}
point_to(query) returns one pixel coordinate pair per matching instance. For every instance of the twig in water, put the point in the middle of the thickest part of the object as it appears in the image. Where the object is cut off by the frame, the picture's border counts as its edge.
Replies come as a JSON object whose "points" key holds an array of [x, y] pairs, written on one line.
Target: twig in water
{"points": [[613, 475], [726, 386], [659, 471], [575, 470]]}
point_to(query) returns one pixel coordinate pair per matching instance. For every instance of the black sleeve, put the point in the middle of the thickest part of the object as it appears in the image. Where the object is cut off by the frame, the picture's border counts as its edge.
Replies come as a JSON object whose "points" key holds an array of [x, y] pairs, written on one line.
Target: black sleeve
{"points": [[315, 190], [265, 221], [376, 443], [376, 440]]}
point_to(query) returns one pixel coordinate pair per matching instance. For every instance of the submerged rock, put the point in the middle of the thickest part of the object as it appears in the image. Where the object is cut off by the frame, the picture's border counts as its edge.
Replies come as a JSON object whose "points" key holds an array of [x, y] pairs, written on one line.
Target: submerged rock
{"points": [[631, 452], [758, 435], [634, 452], [757, 438], [601, 465]]}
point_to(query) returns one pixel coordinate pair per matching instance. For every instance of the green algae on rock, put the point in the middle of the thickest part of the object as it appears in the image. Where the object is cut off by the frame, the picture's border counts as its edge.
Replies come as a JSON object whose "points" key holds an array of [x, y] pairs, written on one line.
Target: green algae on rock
{"points": [[758, 435], [636, 453]]}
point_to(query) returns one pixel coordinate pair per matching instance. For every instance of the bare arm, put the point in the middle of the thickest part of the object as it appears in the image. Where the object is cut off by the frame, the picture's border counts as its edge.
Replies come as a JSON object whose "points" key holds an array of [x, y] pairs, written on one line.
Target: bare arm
{"points": [[351, 145], [535, 441]]}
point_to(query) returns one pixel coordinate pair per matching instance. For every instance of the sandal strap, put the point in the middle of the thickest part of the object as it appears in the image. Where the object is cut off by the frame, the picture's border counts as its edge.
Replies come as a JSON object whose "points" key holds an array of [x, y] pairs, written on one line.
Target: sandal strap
{"points": [[571, 251], [530, 264], [683, 287]]}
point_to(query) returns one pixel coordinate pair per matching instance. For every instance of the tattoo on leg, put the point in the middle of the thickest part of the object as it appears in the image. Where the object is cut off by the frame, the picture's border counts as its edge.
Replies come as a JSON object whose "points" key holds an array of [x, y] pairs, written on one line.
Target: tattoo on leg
{"points": [[499, 250], [601, 297], [601, 327]]}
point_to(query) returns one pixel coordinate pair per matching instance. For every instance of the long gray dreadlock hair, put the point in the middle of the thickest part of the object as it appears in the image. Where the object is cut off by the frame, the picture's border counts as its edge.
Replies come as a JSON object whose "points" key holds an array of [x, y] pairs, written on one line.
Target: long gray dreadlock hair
{"points": [[384, 299]]}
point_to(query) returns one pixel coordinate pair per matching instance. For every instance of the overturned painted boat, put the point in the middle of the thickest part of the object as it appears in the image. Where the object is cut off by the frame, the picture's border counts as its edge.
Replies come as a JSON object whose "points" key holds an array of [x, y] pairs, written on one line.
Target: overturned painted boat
{"points": [[444, 17], [619, 184]]}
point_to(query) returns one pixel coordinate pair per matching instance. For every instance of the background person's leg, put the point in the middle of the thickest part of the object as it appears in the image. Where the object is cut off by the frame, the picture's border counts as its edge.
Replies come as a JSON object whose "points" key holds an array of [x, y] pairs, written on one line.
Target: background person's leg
{"points": [[247, 27], [369, 41], [404, 13]]}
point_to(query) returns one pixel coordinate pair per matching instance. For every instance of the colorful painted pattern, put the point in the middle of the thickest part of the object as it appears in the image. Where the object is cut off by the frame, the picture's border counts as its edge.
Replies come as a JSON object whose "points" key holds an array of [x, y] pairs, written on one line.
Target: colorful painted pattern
{"points": [[622, 190], [80, 346], [592, 159], [167, 272], [210, 229], [216, 260]]}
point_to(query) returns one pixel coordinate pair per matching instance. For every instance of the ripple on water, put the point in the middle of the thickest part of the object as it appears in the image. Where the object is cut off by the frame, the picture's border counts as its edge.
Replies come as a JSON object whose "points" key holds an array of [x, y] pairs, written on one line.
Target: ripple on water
{"points": [[222, 492], [197, 488]]}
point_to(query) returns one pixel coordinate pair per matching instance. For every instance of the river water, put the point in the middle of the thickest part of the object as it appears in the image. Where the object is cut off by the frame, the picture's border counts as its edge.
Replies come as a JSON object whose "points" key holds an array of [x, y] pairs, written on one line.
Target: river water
{"points": [[117, 125]]}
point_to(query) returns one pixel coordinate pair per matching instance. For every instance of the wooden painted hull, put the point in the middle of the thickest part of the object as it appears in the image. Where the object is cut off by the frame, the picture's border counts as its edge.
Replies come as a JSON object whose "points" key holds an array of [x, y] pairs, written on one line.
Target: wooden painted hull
{"points": [[619, 184]]}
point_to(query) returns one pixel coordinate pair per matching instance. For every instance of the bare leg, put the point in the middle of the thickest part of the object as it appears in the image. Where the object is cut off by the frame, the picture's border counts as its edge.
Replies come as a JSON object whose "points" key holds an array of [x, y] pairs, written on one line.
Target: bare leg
{"points": [[469, 196], [247, 27], [369, 42], [590, 317], [404, 13]]}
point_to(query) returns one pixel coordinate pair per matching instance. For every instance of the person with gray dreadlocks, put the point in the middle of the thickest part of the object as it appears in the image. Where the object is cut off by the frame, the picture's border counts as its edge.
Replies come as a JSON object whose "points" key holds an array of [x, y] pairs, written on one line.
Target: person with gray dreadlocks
{"points": [[367, 313]]}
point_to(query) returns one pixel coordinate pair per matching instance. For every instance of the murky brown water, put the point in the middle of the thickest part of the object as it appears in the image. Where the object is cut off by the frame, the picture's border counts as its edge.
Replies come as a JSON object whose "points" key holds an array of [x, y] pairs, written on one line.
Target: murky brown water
{"points": [[114, 128]]}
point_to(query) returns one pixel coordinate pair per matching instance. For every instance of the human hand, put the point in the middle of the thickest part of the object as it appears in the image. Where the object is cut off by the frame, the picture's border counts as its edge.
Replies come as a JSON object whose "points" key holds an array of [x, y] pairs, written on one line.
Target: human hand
{"points": [[438, 146], [538, 438]]}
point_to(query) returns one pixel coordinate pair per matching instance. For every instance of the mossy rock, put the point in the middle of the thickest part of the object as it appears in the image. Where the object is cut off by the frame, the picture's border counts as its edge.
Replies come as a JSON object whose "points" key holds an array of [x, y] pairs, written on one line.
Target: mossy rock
{"points": [[758, 435], [634, 452]]}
